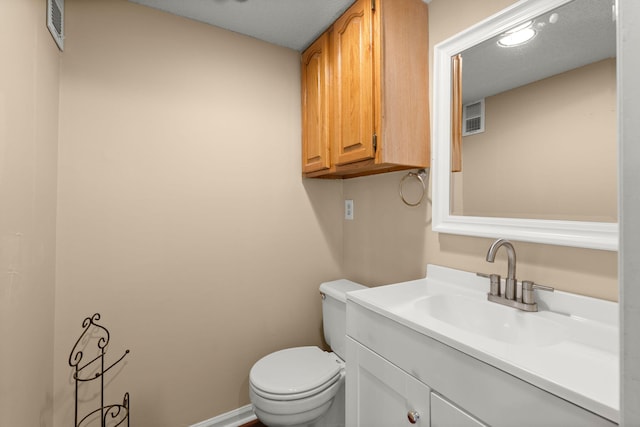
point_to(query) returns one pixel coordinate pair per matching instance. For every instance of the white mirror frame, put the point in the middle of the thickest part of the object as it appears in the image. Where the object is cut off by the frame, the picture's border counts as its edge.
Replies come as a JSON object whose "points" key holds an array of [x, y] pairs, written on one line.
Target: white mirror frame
{"points": [[593, 235]]}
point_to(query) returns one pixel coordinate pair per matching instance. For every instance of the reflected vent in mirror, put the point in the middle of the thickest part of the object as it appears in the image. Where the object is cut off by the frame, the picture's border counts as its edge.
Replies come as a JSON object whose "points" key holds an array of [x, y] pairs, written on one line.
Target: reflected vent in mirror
{"points": [[55, 21], [473, 118]]}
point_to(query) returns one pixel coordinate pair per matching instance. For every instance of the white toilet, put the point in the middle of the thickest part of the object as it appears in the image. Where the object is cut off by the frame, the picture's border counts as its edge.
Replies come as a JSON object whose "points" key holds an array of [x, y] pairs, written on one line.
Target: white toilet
{"points": [[304, 386]]}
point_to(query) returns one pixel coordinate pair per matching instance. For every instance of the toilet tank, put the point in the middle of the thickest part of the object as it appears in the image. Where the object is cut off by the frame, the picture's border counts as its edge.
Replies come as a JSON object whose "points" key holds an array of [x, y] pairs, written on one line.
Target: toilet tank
{"points": [[334, 312]]}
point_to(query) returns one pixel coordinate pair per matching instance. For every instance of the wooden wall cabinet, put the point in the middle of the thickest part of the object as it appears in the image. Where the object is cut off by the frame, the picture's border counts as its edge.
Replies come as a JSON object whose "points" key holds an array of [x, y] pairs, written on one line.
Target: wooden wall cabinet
{"points": [[315, 106], [365, 92]]}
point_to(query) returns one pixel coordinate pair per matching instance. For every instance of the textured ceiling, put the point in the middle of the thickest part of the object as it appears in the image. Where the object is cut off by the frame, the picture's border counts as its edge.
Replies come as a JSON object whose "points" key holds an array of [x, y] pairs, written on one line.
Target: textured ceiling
{"points": [[290, 23], [584, 32]]}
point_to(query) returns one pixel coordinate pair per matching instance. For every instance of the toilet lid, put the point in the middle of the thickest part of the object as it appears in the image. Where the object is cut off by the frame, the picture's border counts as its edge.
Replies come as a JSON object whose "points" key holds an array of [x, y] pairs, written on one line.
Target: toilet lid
{"points": [[295, 370]]}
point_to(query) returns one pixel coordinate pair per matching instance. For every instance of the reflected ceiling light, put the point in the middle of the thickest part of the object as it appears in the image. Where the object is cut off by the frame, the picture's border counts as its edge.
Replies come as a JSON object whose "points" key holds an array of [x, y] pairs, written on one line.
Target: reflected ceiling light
{"points": [[518, 35]]}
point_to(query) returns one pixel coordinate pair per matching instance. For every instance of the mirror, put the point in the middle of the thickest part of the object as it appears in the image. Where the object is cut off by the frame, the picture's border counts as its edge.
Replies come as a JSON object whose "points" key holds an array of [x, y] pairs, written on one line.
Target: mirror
{"points": [[538, 159]]}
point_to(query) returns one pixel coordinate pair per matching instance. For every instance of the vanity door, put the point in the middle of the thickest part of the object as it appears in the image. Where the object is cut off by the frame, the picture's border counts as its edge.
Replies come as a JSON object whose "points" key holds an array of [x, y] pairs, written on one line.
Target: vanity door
{"points": [[446, 414], [379, 394]]}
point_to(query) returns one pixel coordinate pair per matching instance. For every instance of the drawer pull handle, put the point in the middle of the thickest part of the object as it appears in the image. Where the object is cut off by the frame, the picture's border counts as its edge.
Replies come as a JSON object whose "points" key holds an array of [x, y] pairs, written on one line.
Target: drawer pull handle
{"points": [[413, 417]]}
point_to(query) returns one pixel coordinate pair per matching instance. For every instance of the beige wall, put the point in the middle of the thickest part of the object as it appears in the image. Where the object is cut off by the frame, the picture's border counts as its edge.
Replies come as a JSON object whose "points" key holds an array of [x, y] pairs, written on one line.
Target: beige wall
{"points": [[183, 218], [390, 242], [28, 144], [558, 162]]}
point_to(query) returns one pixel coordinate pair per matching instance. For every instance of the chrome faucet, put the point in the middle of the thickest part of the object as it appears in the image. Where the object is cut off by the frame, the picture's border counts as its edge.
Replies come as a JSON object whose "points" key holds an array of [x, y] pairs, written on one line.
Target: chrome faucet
{"points": [[526, 301], [511, 282]]}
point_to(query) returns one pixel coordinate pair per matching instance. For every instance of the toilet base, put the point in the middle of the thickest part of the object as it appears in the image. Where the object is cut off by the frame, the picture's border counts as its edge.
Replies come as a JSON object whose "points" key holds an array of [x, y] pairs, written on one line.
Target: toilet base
{"points": [[334, 417]]}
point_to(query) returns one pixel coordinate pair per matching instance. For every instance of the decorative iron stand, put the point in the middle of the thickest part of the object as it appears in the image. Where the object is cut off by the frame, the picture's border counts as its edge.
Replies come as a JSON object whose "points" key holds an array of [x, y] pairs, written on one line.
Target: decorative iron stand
{"points": [[94, 369]]}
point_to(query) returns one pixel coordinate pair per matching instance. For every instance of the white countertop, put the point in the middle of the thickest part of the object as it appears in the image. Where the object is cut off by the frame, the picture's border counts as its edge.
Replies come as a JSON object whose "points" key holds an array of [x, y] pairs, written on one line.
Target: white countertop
{"points": [[574, 356]]}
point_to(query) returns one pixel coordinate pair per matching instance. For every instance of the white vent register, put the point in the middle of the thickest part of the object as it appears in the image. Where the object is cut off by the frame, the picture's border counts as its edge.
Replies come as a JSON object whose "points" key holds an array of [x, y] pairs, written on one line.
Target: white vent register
{"points": [[55, 21], [473, 118]]}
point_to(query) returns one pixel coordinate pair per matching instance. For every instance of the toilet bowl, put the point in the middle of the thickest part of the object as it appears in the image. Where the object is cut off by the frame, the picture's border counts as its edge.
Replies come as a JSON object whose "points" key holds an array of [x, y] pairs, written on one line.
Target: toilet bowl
{"points": [[304, 386], [295, 386]]}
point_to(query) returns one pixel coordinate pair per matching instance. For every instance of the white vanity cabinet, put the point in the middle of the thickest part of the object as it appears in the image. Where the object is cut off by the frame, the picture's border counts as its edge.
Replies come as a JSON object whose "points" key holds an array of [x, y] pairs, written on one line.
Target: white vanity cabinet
{"points": [[393, 370]]}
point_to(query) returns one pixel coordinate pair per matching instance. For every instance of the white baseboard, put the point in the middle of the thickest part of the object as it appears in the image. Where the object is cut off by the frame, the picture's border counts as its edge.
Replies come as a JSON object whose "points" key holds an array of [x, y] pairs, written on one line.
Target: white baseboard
{"points": [[234, 418]]}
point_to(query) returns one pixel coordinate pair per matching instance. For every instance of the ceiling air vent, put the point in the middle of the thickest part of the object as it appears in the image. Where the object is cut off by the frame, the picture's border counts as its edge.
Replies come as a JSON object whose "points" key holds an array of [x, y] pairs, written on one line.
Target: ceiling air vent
{"points": [[55, 21], [473, 118]]}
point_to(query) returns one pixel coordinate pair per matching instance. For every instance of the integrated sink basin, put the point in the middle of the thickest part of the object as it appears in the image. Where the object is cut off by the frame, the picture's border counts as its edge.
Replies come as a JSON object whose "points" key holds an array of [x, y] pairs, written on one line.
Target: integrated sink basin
{"points": [[570, 347], [486, 319]]}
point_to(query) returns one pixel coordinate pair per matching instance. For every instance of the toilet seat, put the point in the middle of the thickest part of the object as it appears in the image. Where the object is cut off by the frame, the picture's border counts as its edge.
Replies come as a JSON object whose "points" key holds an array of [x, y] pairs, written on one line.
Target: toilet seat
{"points": [[295, 373], [297, 396]]}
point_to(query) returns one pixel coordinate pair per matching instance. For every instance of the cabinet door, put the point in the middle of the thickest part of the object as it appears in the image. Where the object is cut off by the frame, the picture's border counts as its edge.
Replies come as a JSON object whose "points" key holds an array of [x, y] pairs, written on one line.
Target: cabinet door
{"points": [[446, 414], [352, 81], [379, 394], [315, 106]]}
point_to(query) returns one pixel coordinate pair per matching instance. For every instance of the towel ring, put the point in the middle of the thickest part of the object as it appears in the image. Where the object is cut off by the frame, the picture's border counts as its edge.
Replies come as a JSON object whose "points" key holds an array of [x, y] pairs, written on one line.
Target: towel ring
{"points": [[420, 176]]}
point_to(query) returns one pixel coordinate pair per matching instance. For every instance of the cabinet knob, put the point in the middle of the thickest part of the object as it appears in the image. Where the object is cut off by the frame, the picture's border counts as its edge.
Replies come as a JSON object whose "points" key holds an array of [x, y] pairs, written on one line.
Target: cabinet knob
{"points": [[413, 417]]}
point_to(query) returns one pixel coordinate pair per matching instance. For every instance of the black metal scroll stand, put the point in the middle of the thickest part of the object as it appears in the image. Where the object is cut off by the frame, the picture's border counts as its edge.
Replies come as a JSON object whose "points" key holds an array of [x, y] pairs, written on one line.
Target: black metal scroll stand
{"points": [[117, 414]]}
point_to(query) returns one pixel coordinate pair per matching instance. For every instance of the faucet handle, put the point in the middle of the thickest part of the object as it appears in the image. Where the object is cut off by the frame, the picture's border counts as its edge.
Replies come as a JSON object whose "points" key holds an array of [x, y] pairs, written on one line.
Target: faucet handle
{"points": [[494, 283], [527, 290]]}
